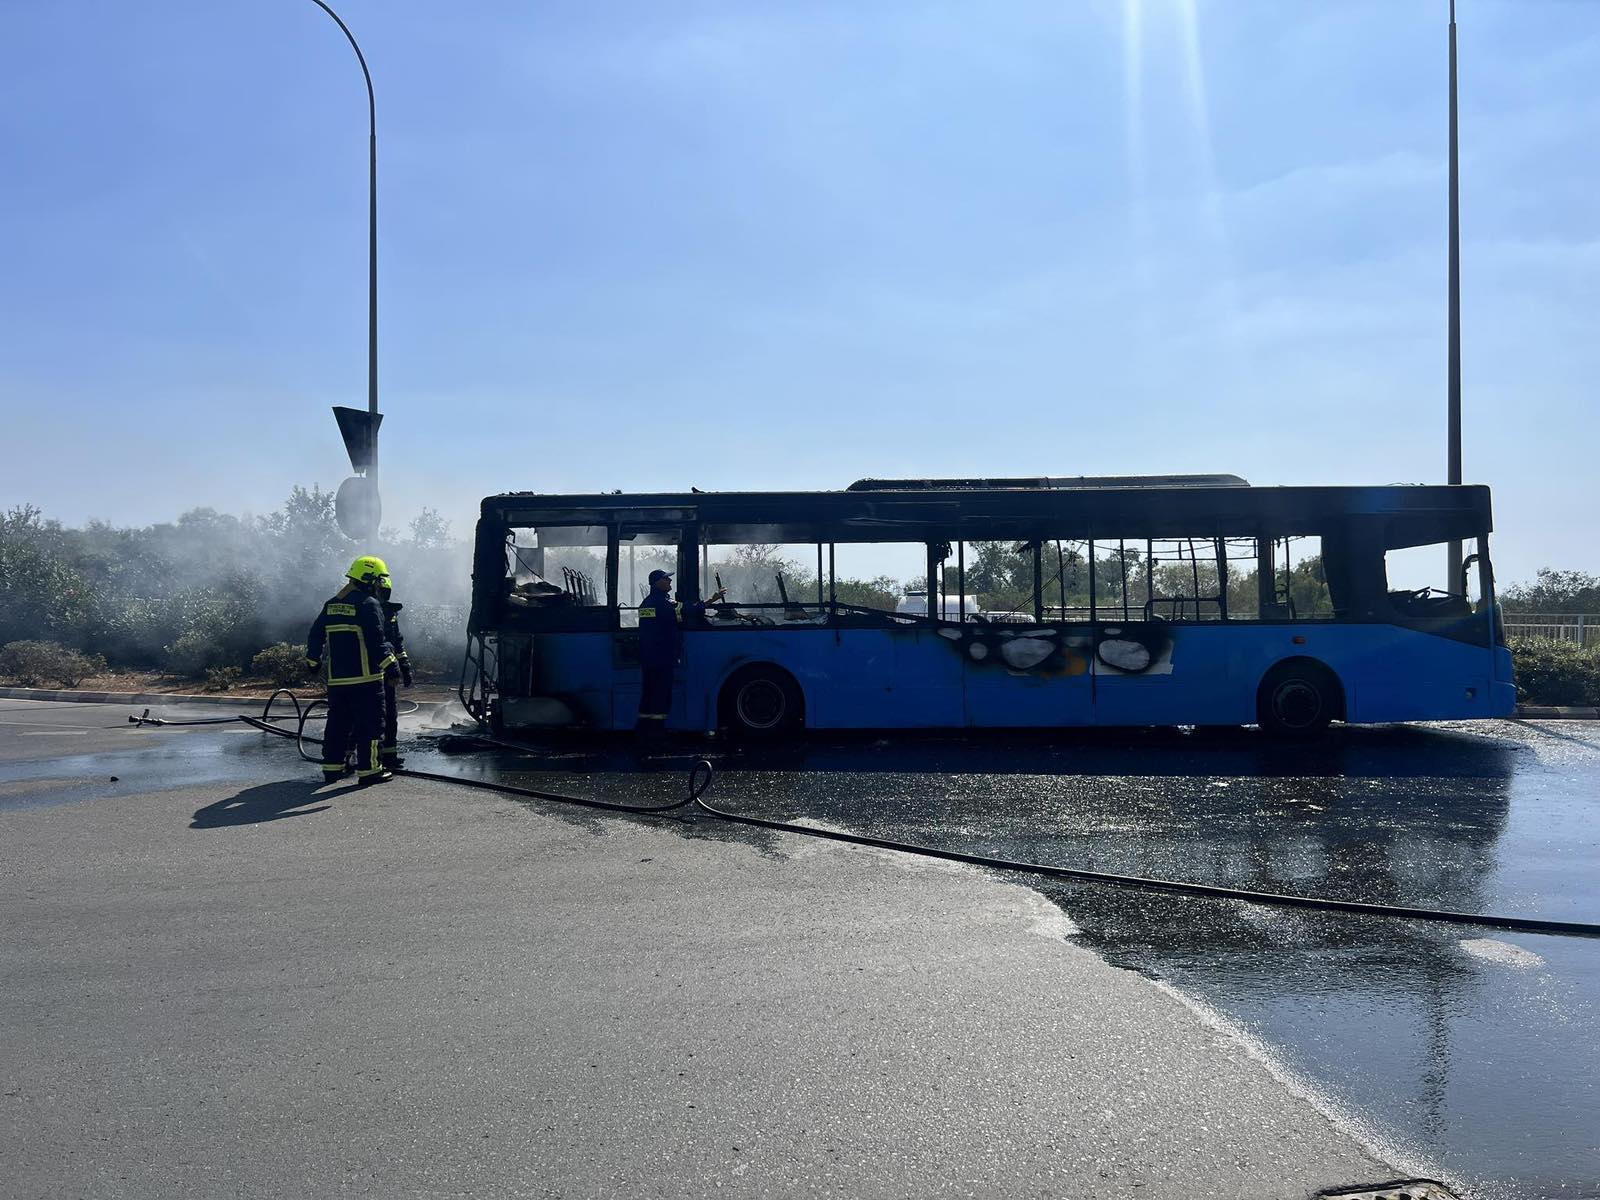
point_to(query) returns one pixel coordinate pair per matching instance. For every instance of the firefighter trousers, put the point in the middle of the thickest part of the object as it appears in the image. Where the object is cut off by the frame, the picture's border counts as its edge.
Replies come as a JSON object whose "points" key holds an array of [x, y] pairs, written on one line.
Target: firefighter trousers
{"points": [[655, 703], [355, 720], [389, 747]]}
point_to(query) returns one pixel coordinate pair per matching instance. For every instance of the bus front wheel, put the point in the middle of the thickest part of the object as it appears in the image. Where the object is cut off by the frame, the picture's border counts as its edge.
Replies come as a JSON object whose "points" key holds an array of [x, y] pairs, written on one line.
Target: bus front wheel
{"points": [[761, 702], [1298, 698]]}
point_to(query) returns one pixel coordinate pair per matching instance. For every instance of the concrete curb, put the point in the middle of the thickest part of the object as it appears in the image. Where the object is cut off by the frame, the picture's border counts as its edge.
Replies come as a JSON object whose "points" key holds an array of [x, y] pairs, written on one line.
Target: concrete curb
{"points": [[254, 703], [70, 695], [1549, 712]]}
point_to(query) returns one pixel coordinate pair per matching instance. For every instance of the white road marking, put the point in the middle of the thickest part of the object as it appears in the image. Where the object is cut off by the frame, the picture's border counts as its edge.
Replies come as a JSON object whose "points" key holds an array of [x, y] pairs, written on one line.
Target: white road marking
{"points": [[54, 733], [43, 725], [42, 705]]}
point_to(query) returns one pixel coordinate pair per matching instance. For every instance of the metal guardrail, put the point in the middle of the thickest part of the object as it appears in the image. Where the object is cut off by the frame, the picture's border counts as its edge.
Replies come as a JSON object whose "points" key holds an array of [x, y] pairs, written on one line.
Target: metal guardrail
{"points": [[1580, 628]]}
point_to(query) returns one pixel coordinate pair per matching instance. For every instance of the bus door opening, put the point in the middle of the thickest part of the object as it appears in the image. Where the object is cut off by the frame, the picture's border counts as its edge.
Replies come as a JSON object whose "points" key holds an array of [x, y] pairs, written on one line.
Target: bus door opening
{"points": [[641, 549]]}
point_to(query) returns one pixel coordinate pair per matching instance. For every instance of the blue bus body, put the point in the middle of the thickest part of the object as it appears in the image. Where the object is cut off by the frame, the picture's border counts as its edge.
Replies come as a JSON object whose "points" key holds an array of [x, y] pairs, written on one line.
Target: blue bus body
{"points": [[554, 653], [914, 678]]}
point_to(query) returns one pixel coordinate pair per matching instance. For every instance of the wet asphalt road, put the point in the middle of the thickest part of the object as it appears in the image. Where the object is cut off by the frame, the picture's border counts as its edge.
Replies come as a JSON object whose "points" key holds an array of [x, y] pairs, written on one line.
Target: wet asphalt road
{"points": [[1480, 1049], [1476, 1050], [220, 977]]}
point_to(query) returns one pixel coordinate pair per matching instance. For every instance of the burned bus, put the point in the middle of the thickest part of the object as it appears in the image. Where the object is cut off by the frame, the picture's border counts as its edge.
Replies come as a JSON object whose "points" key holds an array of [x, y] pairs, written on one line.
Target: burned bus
{"points": [[993, 603]]}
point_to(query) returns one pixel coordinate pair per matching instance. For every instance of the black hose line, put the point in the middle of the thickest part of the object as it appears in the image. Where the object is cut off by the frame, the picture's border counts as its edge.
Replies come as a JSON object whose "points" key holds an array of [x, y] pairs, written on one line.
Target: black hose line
{"points": [[1142, 883], [702, 773], [146, 719], [654, 810], [266, 713]]}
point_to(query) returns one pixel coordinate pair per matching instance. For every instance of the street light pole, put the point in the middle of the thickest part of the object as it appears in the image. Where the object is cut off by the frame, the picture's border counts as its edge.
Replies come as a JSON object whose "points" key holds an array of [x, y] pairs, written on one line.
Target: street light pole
{"points": [[1453, 416], [372, 244]]}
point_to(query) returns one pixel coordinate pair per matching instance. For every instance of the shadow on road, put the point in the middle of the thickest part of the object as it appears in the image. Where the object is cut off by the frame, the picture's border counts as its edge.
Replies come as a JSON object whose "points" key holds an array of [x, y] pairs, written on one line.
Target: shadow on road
{"points": [[1374, 752], [255, 805]]}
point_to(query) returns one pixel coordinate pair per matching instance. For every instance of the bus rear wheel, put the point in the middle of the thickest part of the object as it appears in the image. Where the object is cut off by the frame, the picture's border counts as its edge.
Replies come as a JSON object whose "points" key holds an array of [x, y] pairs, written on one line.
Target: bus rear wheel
{"points": [[1298, 699], [761, 702]]}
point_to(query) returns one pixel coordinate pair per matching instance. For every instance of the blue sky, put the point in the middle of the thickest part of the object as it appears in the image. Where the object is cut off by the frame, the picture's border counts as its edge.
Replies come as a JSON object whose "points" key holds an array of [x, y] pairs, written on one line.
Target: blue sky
{"points": [[746, 246]]}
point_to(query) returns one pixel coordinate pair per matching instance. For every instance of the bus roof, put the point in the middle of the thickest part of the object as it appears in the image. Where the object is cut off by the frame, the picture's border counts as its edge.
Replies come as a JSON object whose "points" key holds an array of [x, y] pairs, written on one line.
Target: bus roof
{"points": [[993, 509], [1047, 482]]}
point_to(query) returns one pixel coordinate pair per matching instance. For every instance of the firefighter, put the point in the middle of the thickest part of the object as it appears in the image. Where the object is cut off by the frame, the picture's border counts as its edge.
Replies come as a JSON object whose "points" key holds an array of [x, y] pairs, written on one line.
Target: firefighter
{"points": [[399, 672], [660, 641], [350, 628]]}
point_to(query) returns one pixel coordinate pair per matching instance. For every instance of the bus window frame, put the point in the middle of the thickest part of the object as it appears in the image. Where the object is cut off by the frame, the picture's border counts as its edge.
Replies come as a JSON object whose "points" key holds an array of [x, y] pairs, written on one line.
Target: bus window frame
{"points": [[574, 618], [794, 605], [618, 529], [1356, 533]]}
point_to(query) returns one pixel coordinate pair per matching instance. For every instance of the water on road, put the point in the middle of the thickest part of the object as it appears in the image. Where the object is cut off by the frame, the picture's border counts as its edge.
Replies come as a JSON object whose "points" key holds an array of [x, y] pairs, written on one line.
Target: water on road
{"points": [[1478, 1050], [1475, 1051]]}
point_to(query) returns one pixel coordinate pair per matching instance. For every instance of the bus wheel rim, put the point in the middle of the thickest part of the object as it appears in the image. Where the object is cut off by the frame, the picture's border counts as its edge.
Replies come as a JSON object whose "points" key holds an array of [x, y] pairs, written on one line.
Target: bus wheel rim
{"points": [[761, 704], [1297, 703]]}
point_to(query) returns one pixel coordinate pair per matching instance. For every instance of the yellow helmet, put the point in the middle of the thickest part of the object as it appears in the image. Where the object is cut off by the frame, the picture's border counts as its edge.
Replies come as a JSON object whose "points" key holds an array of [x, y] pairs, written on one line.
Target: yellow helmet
{"points": [[368, 569]]}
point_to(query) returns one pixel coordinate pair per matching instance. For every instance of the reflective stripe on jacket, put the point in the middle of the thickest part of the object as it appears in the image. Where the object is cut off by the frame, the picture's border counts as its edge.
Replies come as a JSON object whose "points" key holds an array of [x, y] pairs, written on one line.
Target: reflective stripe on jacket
{"points": [[347, 638]]}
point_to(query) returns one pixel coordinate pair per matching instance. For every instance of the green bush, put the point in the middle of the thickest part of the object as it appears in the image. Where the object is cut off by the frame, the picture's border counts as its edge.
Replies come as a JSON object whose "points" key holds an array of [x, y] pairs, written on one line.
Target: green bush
{"points": [[43, 592], [283, 664], [193, 654], [31, 663], [221, 679], [1552, 672], [207, 590], [145, 632]]}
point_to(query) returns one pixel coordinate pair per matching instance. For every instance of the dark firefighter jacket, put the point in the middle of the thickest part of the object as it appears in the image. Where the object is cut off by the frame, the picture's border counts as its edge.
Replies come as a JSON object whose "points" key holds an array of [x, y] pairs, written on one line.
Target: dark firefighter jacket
{"points": [[350, 626], [660, 639], [391, 630]]}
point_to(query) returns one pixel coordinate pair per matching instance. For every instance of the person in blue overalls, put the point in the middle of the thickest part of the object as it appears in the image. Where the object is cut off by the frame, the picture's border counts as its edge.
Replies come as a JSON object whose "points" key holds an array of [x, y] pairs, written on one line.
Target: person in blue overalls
{"points": [[660, 643]]}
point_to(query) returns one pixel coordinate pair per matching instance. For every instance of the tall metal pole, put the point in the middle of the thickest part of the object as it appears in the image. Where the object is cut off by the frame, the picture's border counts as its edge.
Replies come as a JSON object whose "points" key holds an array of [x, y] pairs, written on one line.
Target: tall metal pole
{"points": [[372, 240], [1453, 419]]}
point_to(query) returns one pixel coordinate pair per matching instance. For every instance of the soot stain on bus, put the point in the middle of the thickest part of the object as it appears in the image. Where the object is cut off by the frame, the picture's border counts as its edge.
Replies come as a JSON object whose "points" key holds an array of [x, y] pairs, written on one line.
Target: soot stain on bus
{"points": [[1130, 650]]}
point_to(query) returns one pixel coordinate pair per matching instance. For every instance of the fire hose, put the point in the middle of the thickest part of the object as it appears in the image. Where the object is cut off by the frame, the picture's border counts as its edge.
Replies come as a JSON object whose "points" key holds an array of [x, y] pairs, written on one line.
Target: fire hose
{"points": [[702, 774]]}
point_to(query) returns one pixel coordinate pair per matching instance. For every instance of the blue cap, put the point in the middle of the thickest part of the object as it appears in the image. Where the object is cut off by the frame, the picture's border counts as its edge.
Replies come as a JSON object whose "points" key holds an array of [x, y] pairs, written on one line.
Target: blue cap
{"points": [[655, 576]]}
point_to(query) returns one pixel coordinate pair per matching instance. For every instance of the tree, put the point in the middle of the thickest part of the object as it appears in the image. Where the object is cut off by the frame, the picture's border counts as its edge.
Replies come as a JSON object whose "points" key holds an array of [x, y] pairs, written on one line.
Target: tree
{"points": [[750, 572], [1308, 589], [1554, 591], [429, 531], [1244, 595], [307, 533], [881, 592], [999, 567], [43, 593]]}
